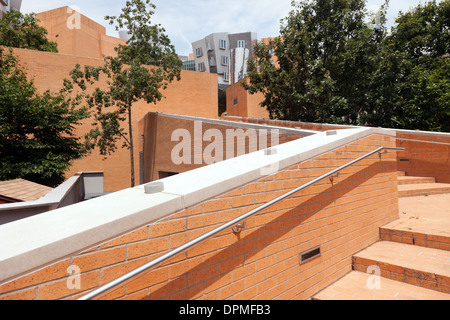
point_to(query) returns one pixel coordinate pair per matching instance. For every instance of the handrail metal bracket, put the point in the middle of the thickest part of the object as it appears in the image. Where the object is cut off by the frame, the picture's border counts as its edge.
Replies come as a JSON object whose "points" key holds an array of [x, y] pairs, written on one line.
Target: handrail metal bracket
{"points": [[238, 228], [237, 225], [380, 153], [333, 176]]}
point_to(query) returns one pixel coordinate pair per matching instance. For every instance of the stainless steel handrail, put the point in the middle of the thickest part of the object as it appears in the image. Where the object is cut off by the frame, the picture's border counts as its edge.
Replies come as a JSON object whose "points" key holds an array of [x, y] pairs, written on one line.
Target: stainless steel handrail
{"points": [[109, 287], [424, 141]]}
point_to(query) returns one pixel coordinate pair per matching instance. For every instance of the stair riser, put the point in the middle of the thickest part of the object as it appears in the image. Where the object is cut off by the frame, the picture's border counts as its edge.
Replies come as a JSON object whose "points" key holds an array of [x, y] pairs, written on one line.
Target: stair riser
{"points": [[415, 238], [415, 193], [422, 279]]}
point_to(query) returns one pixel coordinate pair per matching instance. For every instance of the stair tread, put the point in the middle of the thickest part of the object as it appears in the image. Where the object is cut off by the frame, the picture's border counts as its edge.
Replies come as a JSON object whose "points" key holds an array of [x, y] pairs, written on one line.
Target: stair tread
{"points": [[426, 216], [424, 259], [424, 186], [415, 180], [413, 177], [355, 286], [417, 189]]}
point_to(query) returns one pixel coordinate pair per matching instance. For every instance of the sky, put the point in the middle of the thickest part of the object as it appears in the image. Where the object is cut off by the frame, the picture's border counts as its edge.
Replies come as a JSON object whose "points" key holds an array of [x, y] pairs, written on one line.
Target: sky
{"points": [[187, 21]]}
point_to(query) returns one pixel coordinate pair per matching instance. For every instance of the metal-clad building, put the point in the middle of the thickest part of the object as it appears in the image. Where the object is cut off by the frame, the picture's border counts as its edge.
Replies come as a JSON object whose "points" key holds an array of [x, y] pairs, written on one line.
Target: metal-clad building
{"points": [[6, 5], [225, 54]]}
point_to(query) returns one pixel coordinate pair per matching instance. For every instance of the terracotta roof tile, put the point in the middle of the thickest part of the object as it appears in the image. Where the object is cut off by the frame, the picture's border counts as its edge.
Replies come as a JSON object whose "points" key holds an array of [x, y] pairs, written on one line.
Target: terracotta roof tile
{"points": [[23, 190]]}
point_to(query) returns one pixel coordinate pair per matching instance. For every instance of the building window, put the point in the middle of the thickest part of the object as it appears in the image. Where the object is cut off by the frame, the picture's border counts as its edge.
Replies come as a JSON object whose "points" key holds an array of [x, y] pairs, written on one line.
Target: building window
{"points": [[241, 44], [224, 60], [201, 66], [223, 44], [188, 65], [226, 76], [235, 101], [164, 174], [198, 52], [212, 61]]}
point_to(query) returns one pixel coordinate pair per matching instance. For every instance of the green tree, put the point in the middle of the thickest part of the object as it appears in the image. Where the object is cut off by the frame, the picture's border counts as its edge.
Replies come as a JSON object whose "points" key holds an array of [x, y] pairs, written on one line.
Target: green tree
{"points": [[336, 65], [324, 53], [19, 30], [140, 71], [37, 131], [421, 42]]}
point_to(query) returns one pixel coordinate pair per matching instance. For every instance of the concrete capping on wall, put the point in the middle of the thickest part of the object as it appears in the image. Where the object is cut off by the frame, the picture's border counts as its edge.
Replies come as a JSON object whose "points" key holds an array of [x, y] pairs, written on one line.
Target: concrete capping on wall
{"points": [[69, 192], [63, 232], [423, 133], [245, 125]]}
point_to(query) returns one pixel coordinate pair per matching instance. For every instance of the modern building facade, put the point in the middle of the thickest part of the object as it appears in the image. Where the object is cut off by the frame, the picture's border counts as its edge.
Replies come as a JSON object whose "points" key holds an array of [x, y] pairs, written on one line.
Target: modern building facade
{"points": [[6, 5], [188, 62], [224, 54], [241, 50]]}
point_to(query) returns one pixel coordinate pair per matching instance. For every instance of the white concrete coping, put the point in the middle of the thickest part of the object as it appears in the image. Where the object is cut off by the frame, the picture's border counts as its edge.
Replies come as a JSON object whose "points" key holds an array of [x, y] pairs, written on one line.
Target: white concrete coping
{"points": [[423, 133], [52, 199], [32, 243]]}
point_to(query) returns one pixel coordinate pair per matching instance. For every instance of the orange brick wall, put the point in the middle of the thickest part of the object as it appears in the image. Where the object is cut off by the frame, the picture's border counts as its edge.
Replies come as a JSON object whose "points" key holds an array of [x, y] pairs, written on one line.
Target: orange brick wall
{"points": [[262, 262], [420, 158], [157, 130], [195, 95], [88, 39], [247, 105], [424, 159]]}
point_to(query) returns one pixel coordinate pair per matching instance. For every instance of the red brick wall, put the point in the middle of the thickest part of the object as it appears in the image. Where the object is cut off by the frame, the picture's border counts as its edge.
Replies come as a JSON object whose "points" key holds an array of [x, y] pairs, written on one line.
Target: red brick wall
{"points": [[422, 158], [88, 39], [157, 130], [262, 262], [419, 159], [194, 95], [247, 105]]}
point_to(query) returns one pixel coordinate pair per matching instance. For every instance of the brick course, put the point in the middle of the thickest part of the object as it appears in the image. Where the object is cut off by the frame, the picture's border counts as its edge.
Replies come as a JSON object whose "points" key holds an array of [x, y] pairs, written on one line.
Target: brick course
{"points": [[194, 95], [262, 261]]}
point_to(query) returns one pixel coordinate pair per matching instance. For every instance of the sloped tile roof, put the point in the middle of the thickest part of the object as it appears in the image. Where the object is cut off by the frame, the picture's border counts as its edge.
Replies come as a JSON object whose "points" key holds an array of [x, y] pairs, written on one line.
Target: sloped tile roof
{"points": [[23, 190]]}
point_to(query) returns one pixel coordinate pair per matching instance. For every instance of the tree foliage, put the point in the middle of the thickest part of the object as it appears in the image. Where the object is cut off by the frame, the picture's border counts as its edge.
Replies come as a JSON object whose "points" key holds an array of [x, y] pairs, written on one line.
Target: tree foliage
{"points": [[140, 71], [22, 31], [336, 63], [37, 131], [421, 41]]}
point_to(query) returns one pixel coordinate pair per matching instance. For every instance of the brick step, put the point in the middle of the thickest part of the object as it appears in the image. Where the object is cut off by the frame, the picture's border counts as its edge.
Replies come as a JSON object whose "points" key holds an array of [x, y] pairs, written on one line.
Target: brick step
{"points": [[401, 173], [420, 266], [423, 238], [402, 180], [423, 221], [422, 189], [363, 286]]}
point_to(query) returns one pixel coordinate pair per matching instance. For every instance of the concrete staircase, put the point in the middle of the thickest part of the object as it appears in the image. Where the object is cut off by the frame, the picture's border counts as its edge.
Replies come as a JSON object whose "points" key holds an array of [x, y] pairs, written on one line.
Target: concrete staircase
{"points": [[412, 259]]}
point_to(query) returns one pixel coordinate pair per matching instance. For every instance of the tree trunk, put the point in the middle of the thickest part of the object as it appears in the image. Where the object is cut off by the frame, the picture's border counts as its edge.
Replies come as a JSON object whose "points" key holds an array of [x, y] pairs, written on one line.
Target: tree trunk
{"points": [[130, 128]]}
